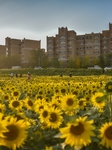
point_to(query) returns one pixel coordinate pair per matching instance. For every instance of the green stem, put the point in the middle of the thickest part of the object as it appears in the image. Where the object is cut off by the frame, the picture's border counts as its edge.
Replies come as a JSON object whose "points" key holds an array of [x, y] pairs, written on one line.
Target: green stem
{"points": [[111, 105]]}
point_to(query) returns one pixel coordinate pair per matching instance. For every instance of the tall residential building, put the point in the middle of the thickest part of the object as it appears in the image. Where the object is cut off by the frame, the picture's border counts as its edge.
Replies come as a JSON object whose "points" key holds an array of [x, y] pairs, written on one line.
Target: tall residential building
{"points": [[68, 44], [2, 50], [26, 47], [21, 48], [63, 45], [13, 46]]}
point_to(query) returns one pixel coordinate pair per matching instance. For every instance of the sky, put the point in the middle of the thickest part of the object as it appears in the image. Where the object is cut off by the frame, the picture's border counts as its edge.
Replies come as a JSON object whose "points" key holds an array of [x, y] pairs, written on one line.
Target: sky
{"points": [[37, 19]]}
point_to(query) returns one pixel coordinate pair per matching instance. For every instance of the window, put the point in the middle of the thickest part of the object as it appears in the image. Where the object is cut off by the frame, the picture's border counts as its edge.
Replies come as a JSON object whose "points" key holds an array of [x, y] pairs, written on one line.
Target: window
{"points": [[63, 52], [88, 52], [104, 37], [96, 47], [96, 42], [62, 42], [49, 45], [49, 50], [49, 40], [104, 47], [104, 42], [89, 42], [96, 36], [88, 37], [69, 47], [81, 48], [96, 52], [82, 43], [62, 47], [62, 37]]}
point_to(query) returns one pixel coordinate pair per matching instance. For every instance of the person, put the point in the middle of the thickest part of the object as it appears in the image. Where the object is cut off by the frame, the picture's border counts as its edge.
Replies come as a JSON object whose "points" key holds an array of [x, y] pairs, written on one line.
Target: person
{"points": [[16, 75], [61, 75], [20, 75], [70, 74], [28, 76], [12, 74]]}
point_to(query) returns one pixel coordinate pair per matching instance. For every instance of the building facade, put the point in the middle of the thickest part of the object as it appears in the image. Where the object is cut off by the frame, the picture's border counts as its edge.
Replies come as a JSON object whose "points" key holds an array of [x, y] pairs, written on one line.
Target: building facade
{"points": [[2, 50], [68, 44], [21, 48]]}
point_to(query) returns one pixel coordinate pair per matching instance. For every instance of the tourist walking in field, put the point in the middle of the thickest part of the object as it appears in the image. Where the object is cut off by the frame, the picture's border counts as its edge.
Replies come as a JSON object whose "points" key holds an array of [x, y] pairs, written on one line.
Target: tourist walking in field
{"points": [[12, 74], [28, 76]]}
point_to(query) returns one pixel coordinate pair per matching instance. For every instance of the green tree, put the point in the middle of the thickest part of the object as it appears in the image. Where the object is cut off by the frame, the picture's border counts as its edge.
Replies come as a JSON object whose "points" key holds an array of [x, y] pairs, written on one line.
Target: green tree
{"points": [[84, 62], [101, 61], [108, 60], [36, 57], [77, 62], [71, 63], [9, 61]]}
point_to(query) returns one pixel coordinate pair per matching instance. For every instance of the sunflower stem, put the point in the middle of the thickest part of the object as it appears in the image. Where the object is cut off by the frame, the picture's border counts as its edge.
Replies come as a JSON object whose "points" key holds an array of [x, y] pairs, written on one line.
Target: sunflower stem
{"points": [[110, 107]]}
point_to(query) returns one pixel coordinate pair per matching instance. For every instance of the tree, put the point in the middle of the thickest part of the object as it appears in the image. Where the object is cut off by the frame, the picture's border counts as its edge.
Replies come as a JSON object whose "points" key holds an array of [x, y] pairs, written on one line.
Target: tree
{"points": [[101, 61], [36, 58], [84, 62], [77, 62], [71, 63], [9, 61]]}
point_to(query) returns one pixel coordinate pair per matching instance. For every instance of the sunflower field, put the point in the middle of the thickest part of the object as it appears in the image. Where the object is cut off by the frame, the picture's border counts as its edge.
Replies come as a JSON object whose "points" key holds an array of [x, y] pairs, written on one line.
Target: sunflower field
{"points": [[56, 113]]}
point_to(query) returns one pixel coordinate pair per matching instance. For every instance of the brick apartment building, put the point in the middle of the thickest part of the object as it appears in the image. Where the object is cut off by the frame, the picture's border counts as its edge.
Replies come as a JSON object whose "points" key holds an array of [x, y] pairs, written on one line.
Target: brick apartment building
{"points": [[21, 48], [68, 44], [2, 50]]}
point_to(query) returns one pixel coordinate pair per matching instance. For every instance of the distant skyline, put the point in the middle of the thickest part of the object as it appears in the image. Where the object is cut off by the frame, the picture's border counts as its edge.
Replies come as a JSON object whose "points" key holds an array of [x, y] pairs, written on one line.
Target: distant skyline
{"points": [[36, 19]]}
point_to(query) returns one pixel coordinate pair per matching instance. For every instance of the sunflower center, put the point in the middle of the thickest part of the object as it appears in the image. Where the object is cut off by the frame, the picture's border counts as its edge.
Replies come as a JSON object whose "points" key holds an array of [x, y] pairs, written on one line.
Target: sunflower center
{"points": [[53, 117], [69, 102], [75, 92], [45, 114], [6, 97], [12, 134], [108, 133], [63, 90], [30, 103], [54, 105], [77, 130], [39, 97], [15, 104], [80, 103], [99, 99], [109, 87], [41, 107], [40, 92], [87, 98], [16, 93], [18, 117]]}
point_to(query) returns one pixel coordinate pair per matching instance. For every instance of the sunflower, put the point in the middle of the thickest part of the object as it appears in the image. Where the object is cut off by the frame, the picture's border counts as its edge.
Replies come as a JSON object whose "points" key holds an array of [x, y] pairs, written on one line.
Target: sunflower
{"points": [[44, 114], [99, 100], [106, 135], [21, 116], [78, 133], [54, 103], [39, 105], [16, 105], [55, 118], [6, 97], [48, 148], [82, 103], [16, 94], [29, 103], [3, 124], [69, 103], [2, 108], [16, 134], [63, 90]]}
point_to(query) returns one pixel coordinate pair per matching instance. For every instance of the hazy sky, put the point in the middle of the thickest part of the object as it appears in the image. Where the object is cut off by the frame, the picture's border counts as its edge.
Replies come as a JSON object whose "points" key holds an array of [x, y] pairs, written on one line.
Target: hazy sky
{"points": [[36, 19]]}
